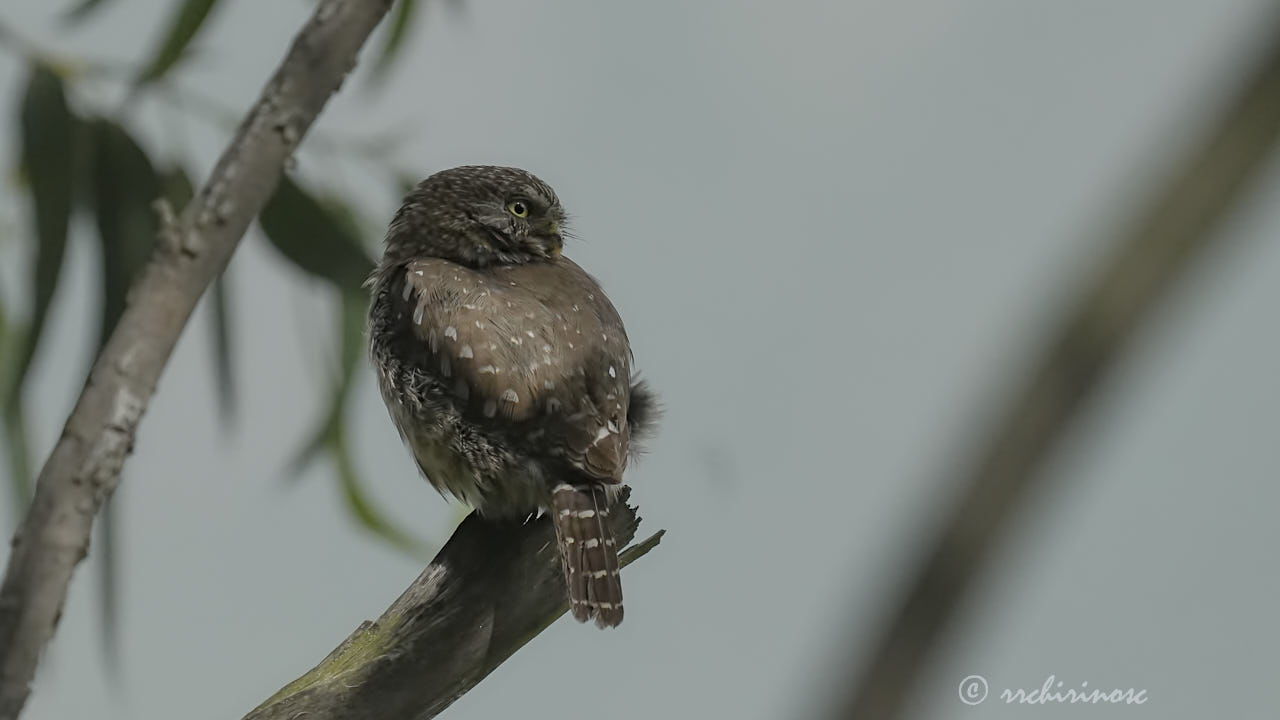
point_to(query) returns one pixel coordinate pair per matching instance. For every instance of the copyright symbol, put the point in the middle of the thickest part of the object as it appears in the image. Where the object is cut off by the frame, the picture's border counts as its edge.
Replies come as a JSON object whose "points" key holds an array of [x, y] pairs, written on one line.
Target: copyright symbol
{"points": [[973, 690]]}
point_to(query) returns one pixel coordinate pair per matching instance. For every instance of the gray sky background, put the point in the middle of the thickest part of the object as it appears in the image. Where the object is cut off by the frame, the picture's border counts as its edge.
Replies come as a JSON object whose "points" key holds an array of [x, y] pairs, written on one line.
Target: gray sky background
{"points": [[832, 229]]}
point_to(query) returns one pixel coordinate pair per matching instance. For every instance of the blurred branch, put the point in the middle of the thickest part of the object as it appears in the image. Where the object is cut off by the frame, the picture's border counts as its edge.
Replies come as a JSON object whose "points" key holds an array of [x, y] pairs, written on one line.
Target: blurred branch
{"points": [[491, 589], [84, 467], [1160, 248]]}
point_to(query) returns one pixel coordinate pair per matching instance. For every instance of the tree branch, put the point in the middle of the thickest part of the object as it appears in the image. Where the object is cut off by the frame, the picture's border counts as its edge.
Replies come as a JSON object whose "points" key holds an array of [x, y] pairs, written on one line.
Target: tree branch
{"points": [[84, 467], [1172, 233], [489, 591]]}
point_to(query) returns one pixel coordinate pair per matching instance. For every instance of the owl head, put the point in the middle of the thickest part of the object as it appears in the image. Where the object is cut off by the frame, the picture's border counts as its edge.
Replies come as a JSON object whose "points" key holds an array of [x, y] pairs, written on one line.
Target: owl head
{"points": [[479, 215]]}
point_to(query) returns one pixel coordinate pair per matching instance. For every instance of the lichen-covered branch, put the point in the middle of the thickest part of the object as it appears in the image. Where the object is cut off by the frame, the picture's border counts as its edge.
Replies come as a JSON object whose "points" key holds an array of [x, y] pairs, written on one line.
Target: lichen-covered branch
{"points": [[1164, 243], [84, 467], [489, 591]]}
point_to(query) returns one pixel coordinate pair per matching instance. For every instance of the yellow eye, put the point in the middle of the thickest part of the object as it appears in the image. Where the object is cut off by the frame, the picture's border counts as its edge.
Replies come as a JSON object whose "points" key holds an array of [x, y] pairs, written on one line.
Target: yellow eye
{"points": [[518, 208]]}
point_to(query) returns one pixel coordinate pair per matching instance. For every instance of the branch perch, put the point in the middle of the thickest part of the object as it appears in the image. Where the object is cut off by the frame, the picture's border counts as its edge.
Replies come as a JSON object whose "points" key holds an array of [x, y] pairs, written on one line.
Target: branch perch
{"points": [[1161, 247], [489, 591], [84, 467]]}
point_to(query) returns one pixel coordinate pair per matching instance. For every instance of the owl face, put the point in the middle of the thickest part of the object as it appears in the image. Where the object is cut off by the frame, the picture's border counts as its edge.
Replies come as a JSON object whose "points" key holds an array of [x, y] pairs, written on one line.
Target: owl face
{"points": [[479, 216]]}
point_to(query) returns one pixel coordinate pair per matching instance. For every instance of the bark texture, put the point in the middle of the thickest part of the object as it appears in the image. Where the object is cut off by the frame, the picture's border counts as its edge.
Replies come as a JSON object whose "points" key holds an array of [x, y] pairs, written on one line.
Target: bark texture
{"points": [[85, 464], [490, 590]]}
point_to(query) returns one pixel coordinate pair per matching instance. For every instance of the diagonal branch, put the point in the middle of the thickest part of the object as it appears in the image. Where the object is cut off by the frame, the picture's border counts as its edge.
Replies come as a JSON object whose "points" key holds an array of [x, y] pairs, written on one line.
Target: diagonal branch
{"points": [[490, 590], [84, 467], [1162, 246]]}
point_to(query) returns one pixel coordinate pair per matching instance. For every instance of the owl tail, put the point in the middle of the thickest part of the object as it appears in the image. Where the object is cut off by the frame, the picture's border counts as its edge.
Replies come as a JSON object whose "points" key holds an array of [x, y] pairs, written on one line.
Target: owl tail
{"points": [[588, 552]]}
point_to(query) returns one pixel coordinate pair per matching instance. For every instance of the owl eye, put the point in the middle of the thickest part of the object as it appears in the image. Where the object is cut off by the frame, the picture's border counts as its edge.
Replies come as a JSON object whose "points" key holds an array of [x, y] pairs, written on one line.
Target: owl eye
{"points": [[518, 208]]}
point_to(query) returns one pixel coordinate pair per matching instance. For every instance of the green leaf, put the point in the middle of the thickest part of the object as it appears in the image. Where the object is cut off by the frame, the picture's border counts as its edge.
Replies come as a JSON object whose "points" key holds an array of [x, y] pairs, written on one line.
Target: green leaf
{"points": [[355, 307], [185, 23], [83, 9], [351, 349], [320, 238], [18, 451], [175, 183], [178, 191], [330, 435], [125, 185], [107, 556], [222, 362], [397, 31], [49, 141], [406, 182], [10, 344], [13, 417], [362, 508]]}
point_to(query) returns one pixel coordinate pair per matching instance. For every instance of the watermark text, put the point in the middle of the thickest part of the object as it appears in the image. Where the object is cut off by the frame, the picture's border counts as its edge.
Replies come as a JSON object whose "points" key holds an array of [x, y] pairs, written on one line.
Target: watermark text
{"points": [[974, 690]]}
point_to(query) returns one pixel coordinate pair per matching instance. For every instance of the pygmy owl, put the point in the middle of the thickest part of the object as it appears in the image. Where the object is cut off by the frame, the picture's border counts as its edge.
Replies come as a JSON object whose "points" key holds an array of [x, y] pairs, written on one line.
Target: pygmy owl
{"points": [[506, 369]]}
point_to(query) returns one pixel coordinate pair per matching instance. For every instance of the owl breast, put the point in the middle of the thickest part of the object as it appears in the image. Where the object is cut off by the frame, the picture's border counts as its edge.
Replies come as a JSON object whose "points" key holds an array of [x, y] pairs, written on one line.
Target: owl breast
{"points": [[476, 468]]}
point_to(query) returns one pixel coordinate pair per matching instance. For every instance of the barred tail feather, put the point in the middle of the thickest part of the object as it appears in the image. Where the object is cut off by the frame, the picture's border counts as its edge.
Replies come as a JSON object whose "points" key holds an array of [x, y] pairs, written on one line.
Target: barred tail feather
{"points": [[588, 552]]}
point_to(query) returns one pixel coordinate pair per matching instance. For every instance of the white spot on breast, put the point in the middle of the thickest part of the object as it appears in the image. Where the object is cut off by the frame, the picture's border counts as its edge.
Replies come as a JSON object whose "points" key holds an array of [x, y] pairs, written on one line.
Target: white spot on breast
{"points": [[466, 352], [593, 542], [546, 348], [612, 373], [418, 272], [548, 385], [570, 346], [510, 396], [591, 296], [451, 332], [601, 434], [490, 408], [417, 314], [604, 337], [480, 325], [516, 340], [469, 306], [575, 307], [488, 370]]}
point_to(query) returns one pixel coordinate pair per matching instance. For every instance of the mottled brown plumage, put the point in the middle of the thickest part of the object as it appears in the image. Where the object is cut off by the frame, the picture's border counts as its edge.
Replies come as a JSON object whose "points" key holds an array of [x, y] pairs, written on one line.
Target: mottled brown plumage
{"points": [[505, 367]]}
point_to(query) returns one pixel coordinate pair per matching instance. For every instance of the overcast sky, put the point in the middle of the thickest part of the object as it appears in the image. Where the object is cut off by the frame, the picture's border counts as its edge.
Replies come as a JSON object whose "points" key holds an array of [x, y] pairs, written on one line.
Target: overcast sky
{"points": [[832, 229]]}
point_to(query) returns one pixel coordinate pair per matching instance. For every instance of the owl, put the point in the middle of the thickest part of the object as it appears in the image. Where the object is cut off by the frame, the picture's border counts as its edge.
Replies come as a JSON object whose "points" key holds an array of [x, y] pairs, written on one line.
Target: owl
{"points": [[506, 369]]}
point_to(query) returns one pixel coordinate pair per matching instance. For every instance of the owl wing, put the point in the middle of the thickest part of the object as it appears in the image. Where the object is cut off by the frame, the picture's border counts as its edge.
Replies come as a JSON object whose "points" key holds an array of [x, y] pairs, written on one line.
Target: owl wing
{"points": [[535, 347]]}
